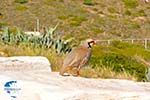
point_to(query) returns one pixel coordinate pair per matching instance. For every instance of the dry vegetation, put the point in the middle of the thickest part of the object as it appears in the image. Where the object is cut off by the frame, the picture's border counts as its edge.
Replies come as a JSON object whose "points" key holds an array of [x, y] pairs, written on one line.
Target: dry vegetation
{"points": [[103, 18]]}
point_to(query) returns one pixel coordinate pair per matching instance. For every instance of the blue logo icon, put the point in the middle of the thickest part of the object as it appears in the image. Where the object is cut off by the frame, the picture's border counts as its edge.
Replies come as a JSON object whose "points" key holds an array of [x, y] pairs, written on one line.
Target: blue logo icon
{"points": [[11, 88]]}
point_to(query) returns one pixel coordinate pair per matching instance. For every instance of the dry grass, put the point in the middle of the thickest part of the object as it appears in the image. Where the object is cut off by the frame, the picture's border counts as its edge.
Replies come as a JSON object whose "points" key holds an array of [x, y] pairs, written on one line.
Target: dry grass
{"points": [[106, 73], [96, 68], [114, 18], [26, 50]]}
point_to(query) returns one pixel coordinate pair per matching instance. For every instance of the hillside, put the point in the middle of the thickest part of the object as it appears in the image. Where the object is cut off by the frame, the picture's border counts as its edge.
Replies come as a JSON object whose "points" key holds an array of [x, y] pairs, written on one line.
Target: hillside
{"points": [[99, 18]]}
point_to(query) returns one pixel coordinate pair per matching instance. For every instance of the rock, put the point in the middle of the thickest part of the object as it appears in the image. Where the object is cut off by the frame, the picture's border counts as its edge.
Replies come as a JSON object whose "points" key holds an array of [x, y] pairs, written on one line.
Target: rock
{"points": [[30, 78], [3, 54], [43, 85], [24, 63]]}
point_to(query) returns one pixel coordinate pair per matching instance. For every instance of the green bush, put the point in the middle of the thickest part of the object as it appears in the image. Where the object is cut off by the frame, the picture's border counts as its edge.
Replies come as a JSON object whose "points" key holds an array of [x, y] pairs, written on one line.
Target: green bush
{"points": [[134, 25], [130, 3], [88, 2], [139, 13], [112, 10], [119, 64], [21, 1], [77, 20], [128, 12], [122, 45], [21, 7], [120, 58]]}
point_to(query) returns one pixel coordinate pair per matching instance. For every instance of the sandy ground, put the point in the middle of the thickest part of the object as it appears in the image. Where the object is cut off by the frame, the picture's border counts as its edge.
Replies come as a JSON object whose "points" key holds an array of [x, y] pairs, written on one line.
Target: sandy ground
{"points": [[45, 85]]}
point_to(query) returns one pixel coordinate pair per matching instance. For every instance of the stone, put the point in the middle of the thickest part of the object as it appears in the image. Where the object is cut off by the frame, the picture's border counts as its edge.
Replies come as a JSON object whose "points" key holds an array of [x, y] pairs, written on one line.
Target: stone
{"points": [[43, 85], [30, 78], [24, 63]]}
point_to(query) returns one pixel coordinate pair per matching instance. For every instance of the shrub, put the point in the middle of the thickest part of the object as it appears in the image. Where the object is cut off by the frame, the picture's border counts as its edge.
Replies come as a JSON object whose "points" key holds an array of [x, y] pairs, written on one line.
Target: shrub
{"points": [[120, 64], [139, 13], [77, 20], [119, 58], [112, 10], [21, 1], [130, 3], [128, 12], [122, 45], [88, 2], [21, 7]]}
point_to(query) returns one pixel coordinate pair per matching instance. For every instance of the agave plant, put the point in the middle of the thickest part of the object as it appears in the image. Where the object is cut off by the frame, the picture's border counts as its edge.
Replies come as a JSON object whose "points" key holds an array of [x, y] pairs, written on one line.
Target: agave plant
{"points": [[51, 39], [148, 75], [6, 35], [20, 37], [48, 40]]}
